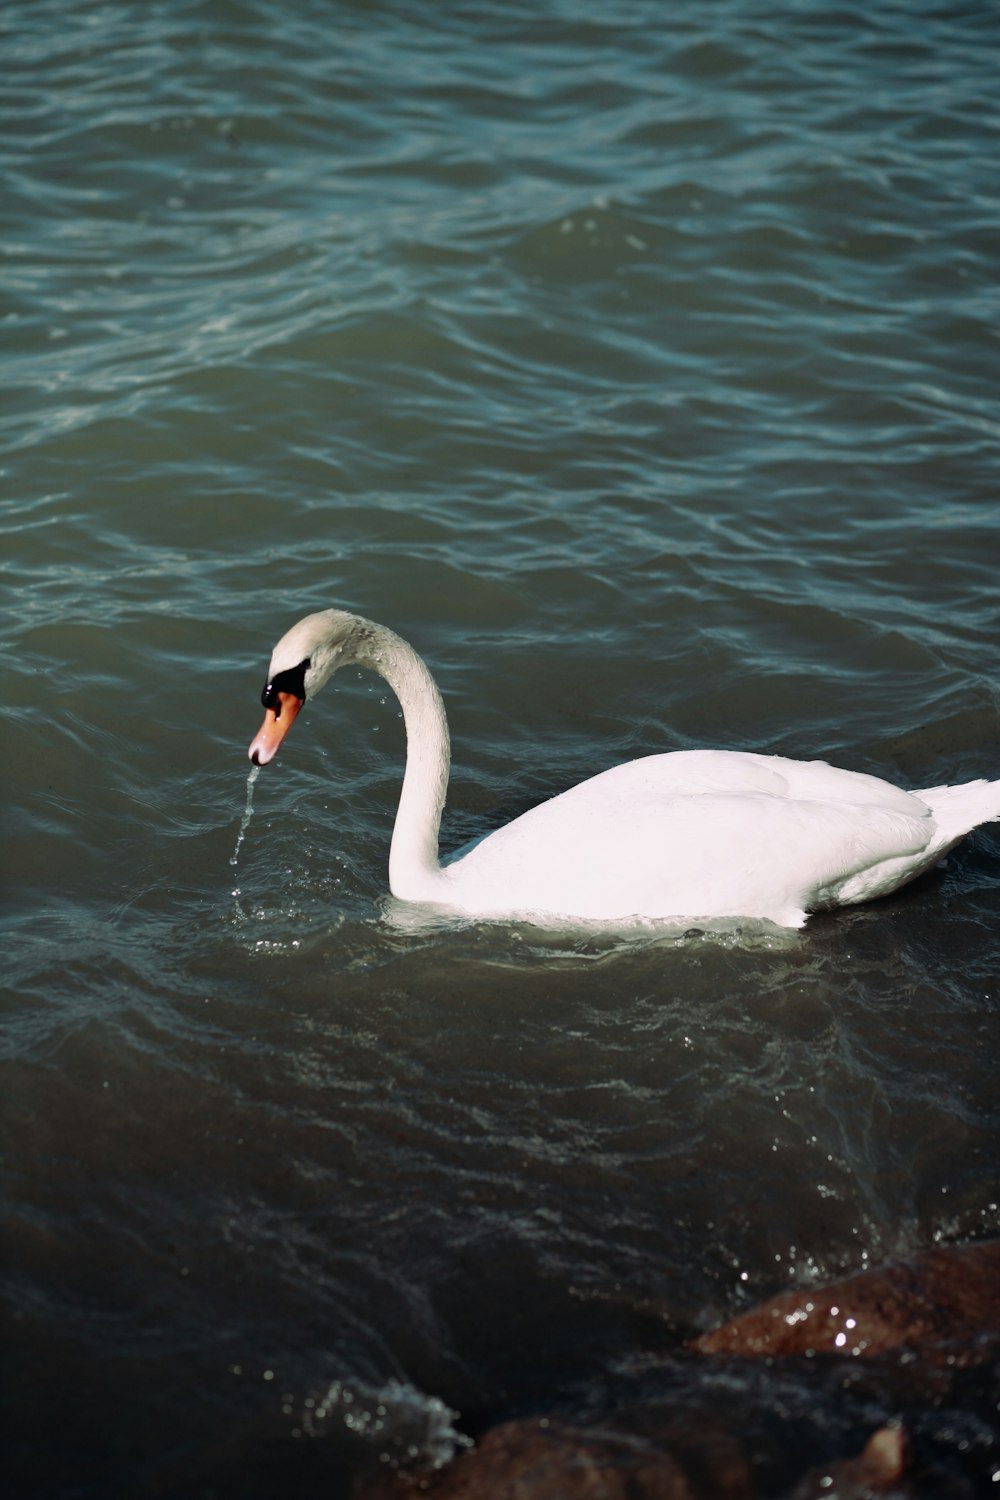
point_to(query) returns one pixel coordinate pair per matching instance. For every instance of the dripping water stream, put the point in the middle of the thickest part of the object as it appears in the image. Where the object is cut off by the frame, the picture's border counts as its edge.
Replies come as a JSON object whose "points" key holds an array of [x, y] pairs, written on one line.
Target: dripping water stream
{"points": [[241, 835], [247, 815]]}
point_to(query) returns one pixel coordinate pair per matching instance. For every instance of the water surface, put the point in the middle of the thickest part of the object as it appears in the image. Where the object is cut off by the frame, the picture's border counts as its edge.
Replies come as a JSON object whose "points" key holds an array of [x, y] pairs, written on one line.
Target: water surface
{"points": [[641, 369]]}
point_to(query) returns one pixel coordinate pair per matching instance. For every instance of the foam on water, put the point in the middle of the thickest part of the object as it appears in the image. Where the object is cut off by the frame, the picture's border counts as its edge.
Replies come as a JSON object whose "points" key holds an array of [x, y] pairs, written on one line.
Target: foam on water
{"points": [[398, 1425]]}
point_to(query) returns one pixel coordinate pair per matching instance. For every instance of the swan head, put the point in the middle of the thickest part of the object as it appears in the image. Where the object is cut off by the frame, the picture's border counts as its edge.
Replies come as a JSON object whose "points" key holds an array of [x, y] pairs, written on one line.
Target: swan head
{"points": [[303, 660]]}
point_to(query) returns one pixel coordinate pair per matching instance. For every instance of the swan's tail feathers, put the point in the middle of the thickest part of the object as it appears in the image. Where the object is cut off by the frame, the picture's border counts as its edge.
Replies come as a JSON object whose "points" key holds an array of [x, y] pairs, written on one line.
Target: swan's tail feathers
{"points": [[959, 809]]}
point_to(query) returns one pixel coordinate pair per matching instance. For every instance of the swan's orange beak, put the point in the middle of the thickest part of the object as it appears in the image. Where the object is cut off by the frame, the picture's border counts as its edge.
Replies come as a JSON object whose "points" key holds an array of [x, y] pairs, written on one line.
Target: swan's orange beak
{"points": [[277, 722]]}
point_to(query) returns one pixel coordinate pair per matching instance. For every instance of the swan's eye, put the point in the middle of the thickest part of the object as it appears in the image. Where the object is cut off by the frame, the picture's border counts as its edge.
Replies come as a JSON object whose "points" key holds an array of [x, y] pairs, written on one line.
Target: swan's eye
{"points": [[290, 681]]}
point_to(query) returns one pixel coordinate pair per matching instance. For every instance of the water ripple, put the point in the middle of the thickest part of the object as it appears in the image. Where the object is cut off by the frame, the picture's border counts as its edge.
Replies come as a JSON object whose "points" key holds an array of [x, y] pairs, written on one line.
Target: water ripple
{"points": [[642, 371]]}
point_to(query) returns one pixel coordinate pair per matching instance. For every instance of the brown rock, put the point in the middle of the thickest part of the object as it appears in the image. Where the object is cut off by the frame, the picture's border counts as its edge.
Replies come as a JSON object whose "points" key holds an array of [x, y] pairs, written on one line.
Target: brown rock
{"points": [[542, 1459], [944, 1304], [877, 1470]]}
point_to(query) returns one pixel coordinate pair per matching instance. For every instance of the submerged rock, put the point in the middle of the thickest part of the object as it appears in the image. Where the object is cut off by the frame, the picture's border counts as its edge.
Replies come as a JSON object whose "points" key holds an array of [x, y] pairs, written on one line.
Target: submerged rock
{"points": [[943, 1305], [538, 1458], [877, 1470], [717, 1439], [542, 1459]]}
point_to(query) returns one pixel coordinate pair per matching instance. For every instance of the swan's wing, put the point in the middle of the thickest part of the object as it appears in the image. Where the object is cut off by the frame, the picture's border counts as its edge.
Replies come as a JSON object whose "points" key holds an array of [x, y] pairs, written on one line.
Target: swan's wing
{"points": [[738, 771], [630, 843]]}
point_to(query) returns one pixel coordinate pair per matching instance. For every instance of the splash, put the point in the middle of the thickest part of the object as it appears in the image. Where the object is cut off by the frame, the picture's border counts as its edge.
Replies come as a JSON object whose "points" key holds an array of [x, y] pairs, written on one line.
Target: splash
{"points": [[404, 1428]]}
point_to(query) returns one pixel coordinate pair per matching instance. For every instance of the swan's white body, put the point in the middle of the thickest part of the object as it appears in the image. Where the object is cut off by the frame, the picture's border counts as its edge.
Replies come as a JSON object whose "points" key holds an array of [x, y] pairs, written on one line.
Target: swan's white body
{"points": [[692, 834]]}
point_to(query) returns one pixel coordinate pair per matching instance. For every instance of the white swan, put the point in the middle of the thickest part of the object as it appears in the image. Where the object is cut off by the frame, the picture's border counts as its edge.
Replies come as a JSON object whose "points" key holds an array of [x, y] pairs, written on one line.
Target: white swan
{"points": [[691, 834]]}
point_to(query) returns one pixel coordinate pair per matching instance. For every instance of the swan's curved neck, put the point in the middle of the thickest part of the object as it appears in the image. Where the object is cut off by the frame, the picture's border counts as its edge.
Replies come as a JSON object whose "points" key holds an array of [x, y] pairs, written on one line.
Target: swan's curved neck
{"points": [[414, 868]]}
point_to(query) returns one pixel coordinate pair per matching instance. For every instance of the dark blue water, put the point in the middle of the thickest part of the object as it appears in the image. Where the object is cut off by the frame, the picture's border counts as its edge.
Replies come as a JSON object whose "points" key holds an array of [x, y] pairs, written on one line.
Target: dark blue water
{"points": [[641, 369]]}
